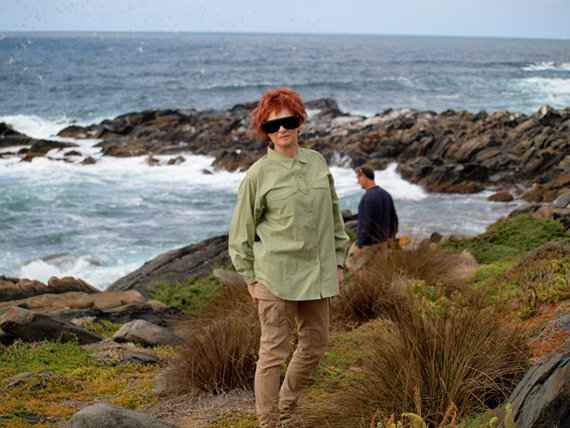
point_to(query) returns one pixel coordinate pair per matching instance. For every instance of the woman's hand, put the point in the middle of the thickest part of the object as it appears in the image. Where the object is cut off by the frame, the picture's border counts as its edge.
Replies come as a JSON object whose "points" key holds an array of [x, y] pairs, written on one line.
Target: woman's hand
{"points": [[250, 288], [340, 275]]}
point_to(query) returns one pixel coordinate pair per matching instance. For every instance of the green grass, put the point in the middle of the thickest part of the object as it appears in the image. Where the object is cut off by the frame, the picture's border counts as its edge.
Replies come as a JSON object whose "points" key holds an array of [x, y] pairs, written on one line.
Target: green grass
{"points": [[63, 372], [106, 328], [189, 297], [509, 237]]}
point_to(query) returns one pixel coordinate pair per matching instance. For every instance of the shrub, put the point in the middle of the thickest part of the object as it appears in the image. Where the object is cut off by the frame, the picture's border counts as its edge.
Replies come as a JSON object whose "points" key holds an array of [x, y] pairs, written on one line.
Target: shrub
{"points": [[219, 353], [383, 284], [459, 357]]}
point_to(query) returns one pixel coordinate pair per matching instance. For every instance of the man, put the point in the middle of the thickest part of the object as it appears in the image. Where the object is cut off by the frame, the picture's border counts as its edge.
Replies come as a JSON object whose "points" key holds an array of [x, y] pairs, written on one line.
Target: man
{"points": [[377, 222]]}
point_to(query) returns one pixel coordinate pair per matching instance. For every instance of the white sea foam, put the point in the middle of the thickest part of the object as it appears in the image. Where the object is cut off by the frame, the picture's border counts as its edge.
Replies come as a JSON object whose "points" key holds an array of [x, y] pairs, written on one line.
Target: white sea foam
{"points": [[346, 184], [46, 128], [547, 65], [122, 212], [35, 126], [556, 86]]}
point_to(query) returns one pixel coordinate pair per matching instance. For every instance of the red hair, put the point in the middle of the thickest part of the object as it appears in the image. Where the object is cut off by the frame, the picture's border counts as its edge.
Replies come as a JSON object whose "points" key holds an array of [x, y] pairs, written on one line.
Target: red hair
{"points": [[277, 100]]}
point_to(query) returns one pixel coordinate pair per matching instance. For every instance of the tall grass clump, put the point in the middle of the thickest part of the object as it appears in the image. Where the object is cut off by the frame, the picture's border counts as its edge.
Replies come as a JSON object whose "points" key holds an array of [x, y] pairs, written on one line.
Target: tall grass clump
{"points": [[430, 362], [509, 237], [219, 352], [383, 283]]}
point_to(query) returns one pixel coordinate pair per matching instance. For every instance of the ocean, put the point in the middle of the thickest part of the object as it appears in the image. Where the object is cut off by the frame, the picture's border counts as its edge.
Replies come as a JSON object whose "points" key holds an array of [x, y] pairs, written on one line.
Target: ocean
{"points": [[100, 222]]}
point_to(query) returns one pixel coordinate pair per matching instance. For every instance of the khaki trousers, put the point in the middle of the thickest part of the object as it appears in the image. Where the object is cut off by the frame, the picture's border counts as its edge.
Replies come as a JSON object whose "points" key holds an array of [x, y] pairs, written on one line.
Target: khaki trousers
{"points": [[277, 318]]}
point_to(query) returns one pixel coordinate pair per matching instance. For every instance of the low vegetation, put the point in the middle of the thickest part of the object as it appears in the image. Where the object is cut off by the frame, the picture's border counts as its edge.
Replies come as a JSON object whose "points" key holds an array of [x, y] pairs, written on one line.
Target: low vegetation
{"points": [[510, 237], [62, 378], [413, 343]]}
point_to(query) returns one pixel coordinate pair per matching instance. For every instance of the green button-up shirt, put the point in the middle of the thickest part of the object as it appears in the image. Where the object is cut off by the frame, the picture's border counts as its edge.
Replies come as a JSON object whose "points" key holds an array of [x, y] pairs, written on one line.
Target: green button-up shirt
{"points": [[287, 231]]}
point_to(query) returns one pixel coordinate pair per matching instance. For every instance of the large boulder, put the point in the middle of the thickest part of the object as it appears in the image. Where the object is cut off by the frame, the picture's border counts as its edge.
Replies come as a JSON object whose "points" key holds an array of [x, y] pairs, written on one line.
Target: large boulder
{"points": [[33, 326], [105, 415], [177, 265], [542, 398], [147, 333]]}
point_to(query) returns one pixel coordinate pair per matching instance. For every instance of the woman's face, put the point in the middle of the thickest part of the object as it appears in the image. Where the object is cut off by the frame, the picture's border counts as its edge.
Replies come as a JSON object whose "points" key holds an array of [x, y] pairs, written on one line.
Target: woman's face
{"points": [[284, 140]]}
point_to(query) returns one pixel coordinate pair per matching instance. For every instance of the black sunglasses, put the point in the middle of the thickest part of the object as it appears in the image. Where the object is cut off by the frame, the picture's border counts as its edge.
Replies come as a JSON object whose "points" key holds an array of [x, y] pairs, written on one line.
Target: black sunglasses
{"points": [[289, 122]]}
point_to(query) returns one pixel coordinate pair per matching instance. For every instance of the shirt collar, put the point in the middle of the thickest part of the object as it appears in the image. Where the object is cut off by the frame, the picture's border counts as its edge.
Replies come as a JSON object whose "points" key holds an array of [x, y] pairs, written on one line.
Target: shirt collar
{"points": [[286, 161]]}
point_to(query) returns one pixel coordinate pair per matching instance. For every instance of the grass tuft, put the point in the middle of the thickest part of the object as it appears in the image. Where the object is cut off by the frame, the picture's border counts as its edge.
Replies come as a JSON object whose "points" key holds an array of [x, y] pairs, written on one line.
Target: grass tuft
{"points": [[456, 357], [218, 354]]}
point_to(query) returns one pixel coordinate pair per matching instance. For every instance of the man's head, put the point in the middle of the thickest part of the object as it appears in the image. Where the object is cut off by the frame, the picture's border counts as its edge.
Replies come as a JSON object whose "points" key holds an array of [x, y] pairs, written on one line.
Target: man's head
{"points": [[365, 176]]}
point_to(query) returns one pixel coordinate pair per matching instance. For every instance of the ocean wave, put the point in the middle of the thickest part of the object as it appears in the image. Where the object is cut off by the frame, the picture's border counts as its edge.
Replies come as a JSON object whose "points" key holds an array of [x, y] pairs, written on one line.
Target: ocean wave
{"points": [[46, 127], [543, 85], [547, 65]]}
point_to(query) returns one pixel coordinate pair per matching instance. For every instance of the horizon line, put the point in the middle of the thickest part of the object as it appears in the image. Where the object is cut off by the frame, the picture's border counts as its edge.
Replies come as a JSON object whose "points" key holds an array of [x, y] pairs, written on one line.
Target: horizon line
{"points": [[177, 32]]}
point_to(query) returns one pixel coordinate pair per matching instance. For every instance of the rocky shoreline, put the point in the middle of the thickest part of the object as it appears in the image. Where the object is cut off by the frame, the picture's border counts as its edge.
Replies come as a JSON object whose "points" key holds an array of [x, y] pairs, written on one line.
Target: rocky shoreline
{"points": [[451, 152], [521, 156]]}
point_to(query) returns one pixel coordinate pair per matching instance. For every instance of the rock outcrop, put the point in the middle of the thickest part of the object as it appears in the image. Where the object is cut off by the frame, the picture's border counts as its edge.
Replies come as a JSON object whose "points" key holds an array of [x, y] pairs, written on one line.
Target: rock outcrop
{"points": [[12, 289], [457, 152], [176, 265], [542, 398], [77, 300], [152, 311]]}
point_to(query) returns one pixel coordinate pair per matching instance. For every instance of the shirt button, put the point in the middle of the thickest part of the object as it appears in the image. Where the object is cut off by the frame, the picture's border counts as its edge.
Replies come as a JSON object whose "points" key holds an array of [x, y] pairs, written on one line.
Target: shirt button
{"points": [[305, 193], [316, 245], [300, 176], [313, 228], [310, 210], [316, 263]]}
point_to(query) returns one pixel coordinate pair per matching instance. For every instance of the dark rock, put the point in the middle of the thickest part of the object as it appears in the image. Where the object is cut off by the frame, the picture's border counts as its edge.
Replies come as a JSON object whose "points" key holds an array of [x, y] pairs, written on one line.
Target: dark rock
{"points": [[105, 415], [89, 161], [542, 398], [563, 201], [320, 104], [501, 197], [177, 265], [153, 312], [68, 283], [528, 208], [34, 326], [456, 152], [139, 358]]}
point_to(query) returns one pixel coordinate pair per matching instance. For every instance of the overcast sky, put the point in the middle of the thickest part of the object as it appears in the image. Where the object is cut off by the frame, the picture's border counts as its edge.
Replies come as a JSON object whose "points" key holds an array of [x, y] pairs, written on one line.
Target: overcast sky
{"points": [[487, 18]]}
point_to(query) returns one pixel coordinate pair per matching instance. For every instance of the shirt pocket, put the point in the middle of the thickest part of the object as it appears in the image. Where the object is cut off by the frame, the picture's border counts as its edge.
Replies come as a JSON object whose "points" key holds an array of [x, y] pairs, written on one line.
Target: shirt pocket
{"points": [[321, 184], [321, 193], [280, 202], [275, 195]]}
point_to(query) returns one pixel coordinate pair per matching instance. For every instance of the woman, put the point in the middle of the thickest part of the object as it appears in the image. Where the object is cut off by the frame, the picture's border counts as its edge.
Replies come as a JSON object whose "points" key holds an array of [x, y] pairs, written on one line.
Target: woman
{"points": [[287, 239]]}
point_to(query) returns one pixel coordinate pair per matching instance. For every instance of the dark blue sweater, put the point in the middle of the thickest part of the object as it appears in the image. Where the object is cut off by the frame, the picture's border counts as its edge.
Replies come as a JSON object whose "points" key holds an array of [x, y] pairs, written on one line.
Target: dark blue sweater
{"points": [[377, 218]]}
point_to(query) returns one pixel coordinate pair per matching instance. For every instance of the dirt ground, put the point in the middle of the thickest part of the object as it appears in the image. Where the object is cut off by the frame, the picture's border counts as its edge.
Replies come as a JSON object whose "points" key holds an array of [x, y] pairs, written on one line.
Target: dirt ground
{"points": [[192, 411]]}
